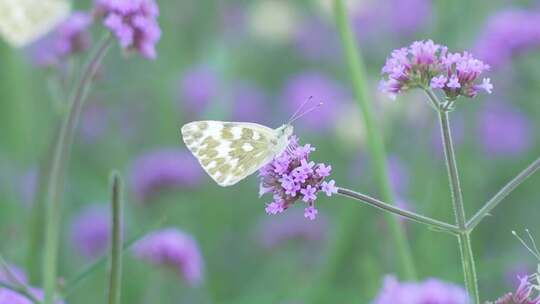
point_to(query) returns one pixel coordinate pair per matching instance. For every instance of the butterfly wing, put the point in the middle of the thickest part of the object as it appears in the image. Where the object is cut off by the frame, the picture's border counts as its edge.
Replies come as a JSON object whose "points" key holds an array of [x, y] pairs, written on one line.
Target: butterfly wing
{"points": [[23, 21], [230, 151]]}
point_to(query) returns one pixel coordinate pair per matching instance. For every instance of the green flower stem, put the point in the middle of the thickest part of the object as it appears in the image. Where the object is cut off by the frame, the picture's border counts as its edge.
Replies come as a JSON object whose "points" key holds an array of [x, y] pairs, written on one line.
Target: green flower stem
{"points": [[374, 137], [503, 193], [464, 240], [439, 225], [55, 178], [115, 272]]}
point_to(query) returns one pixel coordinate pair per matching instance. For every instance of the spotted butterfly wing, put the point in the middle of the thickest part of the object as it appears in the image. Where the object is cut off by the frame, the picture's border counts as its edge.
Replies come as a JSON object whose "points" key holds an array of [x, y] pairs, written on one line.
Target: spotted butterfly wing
{"points": [[23, 21], [231, 151]]}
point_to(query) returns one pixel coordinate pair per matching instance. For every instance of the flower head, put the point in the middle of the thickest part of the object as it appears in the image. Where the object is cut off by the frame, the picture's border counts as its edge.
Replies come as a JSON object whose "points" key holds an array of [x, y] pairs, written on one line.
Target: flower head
{"points": [[133, 23], [431, 291], [291, 177], [426, 64], [163, 168], [173, 248], [90, 232]]}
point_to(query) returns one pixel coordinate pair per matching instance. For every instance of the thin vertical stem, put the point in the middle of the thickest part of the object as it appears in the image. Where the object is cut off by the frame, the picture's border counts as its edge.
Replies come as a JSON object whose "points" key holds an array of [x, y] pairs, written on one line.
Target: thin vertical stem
{"points": [[374, 137], [55, 178], [464, 239], [115, 272]]}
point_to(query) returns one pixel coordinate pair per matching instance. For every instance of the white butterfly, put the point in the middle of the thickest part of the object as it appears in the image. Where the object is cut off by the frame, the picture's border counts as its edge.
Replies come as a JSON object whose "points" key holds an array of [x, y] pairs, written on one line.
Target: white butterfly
{"points": [[231, 151], [23, 21]]}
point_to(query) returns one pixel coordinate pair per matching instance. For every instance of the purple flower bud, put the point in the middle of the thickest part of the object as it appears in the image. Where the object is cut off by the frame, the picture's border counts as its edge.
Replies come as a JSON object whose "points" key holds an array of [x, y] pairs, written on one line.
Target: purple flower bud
{"points": [[311, 213], [173, 248]]}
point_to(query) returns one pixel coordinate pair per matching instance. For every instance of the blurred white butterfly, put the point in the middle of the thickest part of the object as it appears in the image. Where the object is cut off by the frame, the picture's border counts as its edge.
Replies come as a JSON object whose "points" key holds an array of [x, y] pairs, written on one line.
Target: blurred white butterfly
{"points": [[23, 21], [231, 151]]}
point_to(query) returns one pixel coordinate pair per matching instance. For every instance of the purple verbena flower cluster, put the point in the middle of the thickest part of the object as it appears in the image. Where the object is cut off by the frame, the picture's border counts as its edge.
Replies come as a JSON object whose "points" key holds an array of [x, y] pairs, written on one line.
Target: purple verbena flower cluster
{"points": [[525, 293], [431, 291], [426, 64], [134, 24], [291, 176], [173, 248]]}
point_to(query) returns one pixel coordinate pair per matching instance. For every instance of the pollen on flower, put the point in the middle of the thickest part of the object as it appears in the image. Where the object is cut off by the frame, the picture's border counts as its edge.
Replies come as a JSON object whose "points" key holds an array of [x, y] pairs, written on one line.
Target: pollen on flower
{"points": [[426, 64], [292, 177]]}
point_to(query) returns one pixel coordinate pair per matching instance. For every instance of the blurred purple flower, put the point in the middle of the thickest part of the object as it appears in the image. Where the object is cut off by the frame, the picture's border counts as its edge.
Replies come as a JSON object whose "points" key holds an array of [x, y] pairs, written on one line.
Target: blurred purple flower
{"points": [[71, 37], [291, 177], [402, 17], [163, 168], [423, 62], [134, 23], [93, 122], [199, 86], [398, 175], [19, 274], [503, 130], [315, 40], [277, 231], [173, 248], [508, 33], [301, 87], [90, 230], [249, 104], [431, 291], [8, 296]]}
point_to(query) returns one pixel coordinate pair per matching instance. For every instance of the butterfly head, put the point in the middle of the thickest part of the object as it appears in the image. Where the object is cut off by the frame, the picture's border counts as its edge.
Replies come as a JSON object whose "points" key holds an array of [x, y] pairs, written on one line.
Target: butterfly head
{"points": [[285, 131]]}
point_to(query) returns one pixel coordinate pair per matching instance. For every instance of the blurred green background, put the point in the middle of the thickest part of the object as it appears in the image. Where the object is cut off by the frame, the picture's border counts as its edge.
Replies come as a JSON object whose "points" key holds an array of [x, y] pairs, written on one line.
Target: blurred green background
{"points": [[210, 51]]}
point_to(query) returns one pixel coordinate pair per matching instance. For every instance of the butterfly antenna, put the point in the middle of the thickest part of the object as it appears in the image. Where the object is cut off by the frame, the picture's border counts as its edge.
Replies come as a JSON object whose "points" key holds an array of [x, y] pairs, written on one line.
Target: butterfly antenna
{"points": [[533, 242], [306, 112], [293, 117], [535, 254]]}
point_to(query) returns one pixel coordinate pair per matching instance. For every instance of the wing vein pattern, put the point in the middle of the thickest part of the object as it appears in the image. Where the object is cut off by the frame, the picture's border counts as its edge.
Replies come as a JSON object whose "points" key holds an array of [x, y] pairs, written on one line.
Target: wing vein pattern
{"points": [[229, 151]]}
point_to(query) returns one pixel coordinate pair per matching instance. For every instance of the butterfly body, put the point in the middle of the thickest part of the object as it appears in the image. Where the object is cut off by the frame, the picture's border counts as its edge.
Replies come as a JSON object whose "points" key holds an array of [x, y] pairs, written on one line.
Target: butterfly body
{"points": [[231, 151]]}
